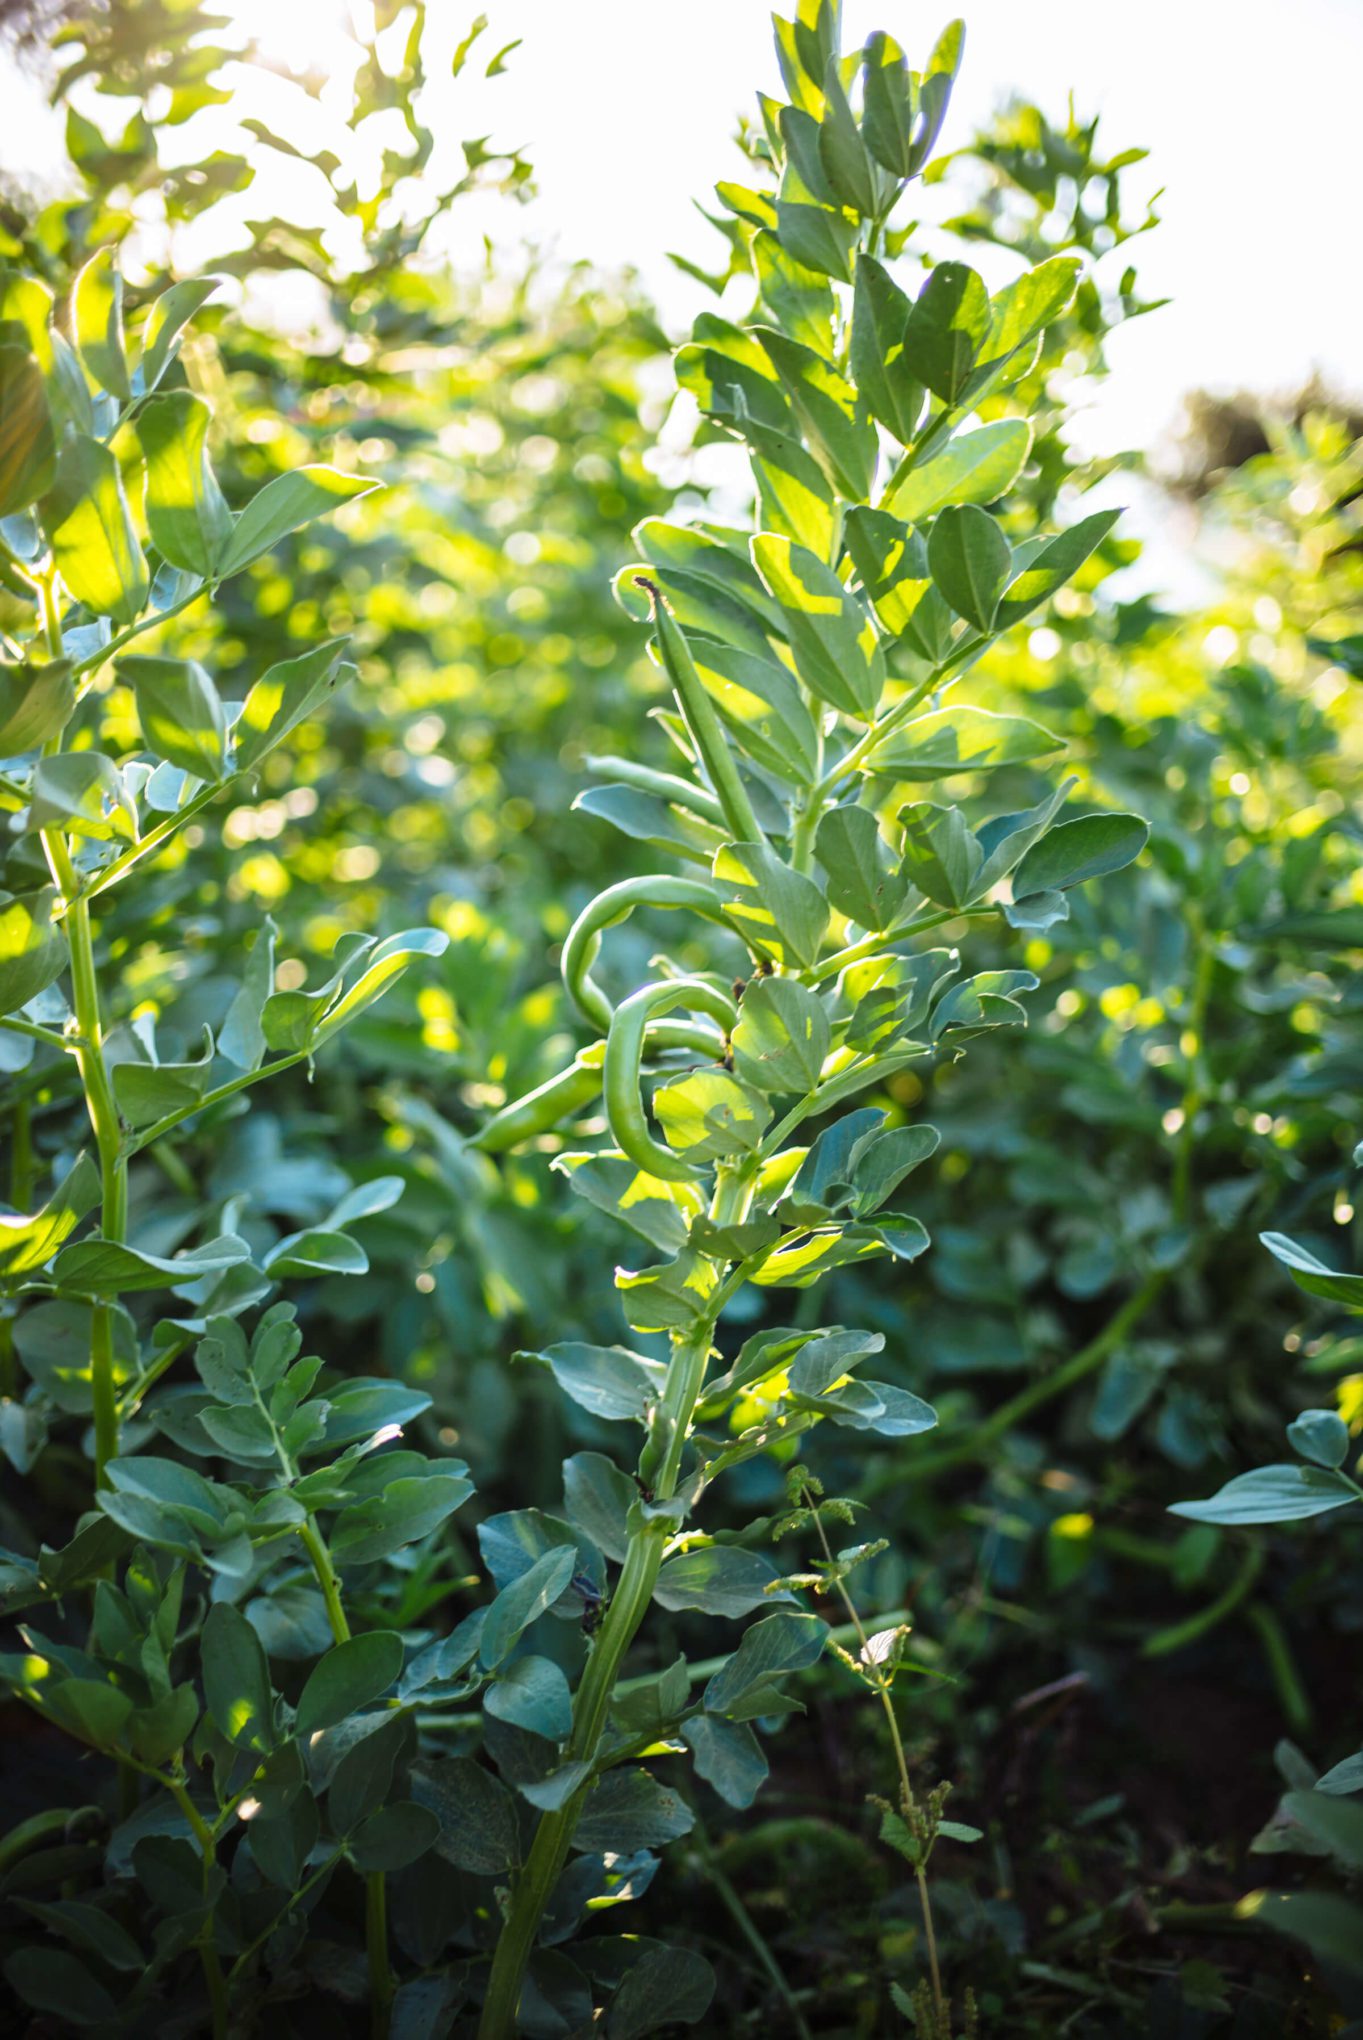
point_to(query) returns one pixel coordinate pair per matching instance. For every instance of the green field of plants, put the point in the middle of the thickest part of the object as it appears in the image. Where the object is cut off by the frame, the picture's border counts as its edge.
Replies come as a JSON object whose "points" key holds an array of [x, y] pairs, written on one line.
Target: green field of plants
{"points": [[679, 1086]]}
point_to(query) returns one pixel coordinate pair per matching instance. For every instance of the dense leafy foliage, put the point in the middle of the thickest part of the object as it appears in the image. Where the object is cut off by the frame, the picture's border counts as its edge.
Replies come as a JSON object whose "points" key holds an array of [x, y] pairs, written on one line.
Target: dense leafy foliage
{"points": [[399, 929]]}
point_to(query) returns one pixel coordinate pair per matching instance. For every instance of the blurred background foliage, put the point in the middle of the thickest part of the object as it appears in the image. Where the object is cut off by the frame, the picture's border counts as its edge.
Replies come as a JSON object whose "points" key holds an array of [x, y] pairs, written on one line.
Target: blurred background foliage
{"points": [[1095, 1322]]}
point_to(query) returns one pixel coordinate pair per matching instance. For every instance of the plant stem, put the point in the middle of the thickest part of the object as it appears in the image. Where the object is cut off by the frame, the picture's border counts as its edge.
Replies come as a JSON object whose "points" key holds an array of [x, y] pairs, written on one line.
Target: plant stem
{"points": [[99, 1099], [851, 760], [532, 1888], [208, 1946], [14, 1025], [94, 1074], [1292, 1694], [376, 1892], [297, 1899], [143, 847], [809, 814], [381, 1986], [1180, 1634], [131, 1399], [880, 1685], [215, 1097], [324, 1566], [143, 623], [21, 1197], [876, 945]]}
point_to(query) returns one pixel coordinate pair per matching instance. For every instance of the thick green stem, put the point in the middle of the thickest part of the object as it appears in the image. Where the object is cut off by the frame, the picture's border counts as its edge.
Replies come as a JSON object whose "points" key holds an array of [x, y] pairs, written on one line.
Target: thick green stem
{"points": [[99, 1099], [208, 1946], [381, 1987], [533, 1887], [803, 834], [810, 809], [322, 1564], [21, 1197], [94, 1075]]}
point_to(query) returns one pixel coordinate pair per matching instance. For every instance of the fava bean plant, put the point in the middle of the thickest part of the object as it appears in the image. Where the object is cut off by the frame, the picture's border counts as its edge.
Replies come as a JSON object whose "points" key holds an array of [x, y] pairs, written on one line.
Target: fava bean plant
{"points": [[1318, 1814], [819, 700], [116, 752]]}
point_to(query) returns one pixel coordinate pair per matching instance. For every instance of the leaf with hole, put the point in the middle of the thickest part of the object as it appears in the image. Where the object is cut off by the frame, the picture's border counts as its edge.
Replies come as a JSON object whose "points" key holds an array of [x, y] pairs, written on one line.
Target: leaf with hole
{"points": [[782, 1037], [782, 913]]}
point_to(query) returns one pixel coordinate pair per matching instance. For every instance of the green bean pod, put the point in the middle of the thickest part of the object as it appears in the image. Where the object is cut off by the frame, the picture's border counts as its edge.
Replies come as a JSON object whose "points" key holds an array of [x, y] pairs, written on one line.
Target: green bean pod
{"points": [[623, 1069], [607, 910], [698, 713], [541, 1110]]}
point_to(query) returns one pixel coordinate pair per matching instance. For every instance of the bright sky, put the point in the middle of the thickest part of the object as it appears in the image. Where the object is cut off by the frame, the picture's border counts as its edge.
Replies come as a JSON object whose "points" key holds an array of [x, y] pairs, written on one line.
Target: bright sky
{"points": [[1249, 110], [1248, 107]]}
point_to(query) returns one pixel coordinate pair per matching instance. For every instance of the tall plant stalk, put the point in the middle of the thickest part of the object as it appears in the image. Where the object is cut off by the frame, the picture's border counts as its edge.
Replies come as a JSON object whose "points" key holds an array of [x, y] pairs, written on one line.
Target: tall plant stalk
{"points": [[381, 1985], [89, 1054], [629, 1604], [808, 672]]}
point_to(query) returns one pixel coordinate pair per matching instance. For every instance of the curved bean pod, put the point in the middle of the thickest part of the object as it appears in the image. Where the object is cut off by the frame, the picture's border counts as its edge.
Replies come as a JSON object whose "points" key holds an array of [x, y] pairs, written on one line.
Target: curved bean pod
{"points": [[616, 904], [541, 1110], [573, 1089], [623, 1067], [698, 713]]}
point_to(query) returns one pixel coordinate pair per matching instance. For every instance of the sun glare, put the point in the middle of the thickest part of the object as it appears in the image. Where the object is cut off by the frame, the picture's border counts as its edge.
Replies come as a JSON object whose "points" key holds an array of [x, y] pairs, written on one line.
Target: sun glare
{"points": [[305, 35]]}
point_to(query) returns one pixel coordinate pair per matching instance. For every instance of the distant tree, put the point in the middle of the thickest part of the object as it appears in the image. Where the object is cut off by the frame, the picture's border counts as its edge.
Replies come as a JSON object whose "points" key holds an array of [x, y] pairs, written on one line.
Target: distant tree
{"points": [[1226, 432]]}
